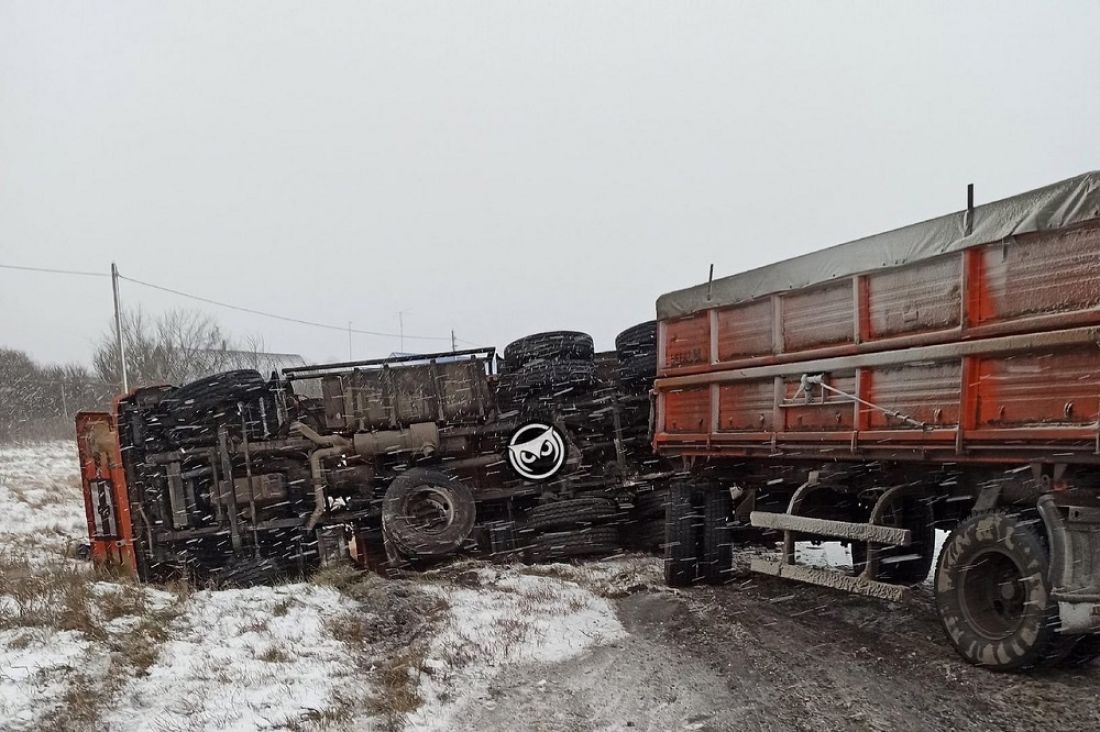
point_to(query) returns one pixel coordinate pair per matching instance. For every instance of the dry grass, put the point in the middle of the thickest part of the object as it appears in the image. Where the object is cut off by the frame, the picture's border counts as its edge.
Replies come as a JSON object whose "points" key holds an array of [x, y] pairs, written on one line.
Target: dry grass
{"points": [[61, 595], [274, 654], [397, 682]]}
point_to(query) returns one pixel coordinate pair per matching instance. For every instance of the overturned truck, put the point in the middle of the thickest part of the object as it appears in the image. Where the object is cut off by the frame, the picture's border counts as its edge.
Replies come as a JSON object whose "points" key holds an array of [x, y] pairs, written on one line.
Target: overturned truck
{"points": [[945, 375], [403, 461]]}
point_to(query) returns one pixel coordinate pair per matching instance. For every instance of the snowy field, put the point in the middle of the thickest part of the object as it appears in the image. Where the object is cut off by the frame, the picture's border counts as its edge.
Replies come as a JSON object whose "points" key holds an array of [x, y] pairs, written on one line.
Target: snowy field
{"points": [[79, 651]]}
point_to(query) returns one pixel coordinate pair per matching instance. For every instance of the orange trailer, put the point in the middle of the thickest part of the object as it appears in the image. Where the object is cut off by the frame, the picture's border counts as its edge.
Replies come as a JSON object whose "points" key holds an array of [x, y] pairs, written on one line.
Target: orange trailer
{"points": [[946, 374]]}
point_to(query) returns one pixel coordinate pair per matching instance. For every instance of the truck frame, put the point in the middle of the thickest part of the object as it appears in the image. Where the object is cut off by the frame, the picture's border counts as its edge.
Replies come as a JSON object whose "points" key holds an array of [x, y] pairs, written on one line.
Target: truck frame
{"points": [[403, 461], [943, 375]]}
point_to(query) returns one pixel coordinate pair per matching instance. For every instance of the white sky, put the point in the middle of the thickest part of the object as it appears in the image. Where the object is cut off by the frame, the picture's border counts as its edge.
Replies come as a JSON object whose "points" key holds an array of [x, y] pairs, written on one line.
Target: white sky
{"points": [[498, 168]]}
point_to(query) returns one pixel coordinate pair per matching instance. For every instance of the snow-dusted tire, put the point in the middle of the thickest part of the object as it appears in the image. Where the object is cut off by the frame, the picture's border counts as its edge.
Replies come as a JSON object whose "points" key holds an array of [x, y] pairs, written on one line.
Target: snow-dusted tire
{"points": [[683, 532], [717, 564], [597, 540], [650, 504], [572, 512], [646, 535], [427, 513], [553, 345], [249, 572], [204, 397], [993, 596], [636, 349]]}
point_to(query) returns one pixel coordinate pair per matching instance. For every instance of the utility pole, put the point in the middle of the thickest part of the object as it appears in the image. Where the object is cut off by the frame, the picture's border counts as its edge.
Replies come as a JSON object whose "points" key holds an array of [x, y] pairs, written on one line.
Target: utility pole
{"points": [[118, 330], [350, 357], [401, 330], [453, 346]]}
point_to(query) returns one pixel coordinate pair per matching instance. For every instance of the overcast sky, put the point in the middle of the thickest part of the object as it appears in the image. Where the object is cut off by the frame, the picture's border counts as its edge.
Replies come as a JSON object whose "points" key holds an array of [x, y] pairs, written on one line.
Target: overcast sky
{"points": [[498, 168]]}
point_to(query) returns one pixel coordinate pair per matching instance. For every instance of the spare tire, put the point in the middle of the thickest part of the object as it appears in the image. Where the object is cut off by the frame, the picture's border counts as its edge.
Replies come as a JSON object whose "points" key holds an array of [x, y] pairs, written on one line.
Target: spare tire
{"points": [[203, 398], [636, 348], [427, 513], [637, 340], [572, 512], [545, 379], [565, 544], [554, 345]]}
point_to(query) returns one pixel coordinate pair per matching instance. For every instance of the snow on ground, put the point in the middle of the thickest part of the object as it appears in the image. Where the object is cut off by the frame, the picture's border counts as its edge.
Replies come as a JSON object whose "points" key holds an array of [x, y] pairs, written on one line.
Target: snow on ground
{"points": [[251, 659], [505, 619], [41, 495], [81, 652]]}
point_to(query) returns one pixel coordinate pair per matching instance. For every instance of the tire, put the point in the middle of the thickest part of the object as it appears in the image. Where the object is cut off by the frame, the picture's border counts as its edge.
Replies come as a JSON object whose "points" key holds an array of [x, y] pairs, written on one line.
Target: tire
{"points": [[546, 378], [636, 348], [917, 516], [249, 572], [637, 339], [201, 397], [647, 536], [1002, 632], [582, 543], [717, 564], [650, 504], [427, 513], [572, 512], [554, 345], [683, 533]]}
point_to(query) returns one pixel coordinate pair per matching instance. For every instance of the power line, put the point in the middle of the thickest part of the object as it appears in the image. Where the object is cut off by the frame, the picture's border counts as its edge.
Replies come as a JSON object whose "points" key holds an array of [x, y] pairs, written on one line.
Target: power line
{"points": [[239, 308], [50, 270]]}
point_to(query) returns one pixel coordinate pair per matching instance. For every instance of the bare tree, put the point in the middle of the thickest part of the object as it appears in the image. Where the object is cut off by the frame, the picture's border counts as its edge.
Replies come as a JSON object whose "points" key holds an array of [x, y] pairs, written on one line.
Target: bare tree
{"points": [[175, 347], [40, 401]]}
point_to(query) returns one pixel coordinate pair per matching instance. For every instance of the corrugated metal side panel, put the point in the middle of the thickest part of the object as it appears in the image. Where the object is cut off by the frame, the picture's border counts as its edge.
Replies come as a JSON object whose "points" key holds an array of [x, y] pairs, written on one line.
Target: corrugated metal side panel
{"points": [[746, 406], [1056, 272], [745, 330], [1062, 387], [819, 317], [687, 410], [918, 298], [928, 393], [687, 341], [835, 413]]}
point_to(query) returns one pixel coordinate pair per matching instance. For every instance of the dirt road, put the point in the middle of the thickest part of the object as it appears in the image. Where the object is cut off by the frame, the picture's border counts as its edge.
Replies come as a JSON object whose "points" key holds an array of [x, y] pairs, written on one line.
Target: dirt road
{"points": [[770, 655]]}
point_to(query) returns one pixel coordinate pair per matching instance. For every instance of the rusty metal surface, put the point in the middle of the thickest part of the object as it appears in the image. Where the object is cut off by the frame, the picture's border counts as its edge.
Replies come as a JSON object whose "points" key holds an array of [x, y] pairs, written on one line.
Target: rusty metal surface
{"points": [[391, 396]]}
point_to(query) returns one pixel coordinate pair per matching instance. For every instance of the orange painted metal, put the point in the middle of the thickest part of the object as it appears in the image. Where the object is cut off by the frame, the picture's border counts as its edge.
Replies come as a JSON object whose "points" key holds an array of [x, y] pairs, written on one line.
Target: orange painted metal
{"points": [[106, 499], [1036, 399]]}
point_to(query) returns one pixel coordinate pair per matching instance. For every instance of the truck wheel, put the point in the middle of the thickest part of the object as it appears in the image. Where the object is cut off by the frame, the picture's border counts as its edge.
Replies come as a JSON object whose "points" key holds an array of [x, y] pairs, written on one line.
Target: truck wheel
{"points": [[636, 350], [560, 344], [992, 593], [426, 513], [898, 564], [683, 531], [572, 512], [647, 535], [717, 563], [584, 542], [197, 399], [650, 504]]}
